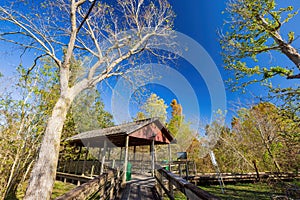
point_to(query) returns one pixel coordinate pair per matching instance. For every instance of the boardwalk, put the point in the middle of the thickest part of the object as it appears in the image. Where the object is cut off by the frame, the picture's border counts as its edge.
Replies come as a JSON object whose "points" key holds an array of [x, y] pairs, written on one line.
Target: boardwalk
{"points": [[141, 187]]}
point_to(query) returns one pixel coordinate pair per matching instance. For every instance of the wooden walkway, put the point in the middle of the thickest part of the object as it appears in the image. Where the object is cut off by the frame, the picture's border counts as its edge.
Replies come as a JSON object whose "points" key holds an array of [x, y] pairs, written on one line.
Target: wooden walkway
{"points": [[140, 187]]}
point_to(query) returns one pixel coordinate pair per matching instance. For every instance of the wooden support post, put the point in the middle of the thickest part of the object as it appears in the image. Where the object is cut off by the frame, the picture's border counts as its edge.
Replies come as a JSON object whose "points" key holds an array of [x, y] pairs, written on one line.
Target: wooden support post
{"points": [[179, 168], [121, 155], [187, 170], [109, 152], [113, 163], [170, 156], [125, 160], [85, 158], [152, 158], [195, 168], [99, 160], [92, 170], [103, 157], [134, 151]]}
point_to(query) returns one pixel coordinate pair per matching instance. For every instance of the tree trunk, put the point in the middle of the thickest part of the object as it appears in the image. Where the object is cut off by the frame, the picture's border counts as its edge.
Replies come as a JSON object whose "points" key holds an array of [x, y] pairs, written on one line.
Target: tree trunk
{"points": [[44, 171]]}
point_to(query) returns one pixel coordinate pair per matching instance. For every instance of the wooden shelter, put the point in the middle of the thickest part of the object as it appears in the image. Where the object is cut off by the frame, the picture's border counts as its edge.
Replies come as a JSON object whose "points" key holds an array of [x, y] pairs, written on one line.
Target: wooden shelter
{"points": [[138, 133]]}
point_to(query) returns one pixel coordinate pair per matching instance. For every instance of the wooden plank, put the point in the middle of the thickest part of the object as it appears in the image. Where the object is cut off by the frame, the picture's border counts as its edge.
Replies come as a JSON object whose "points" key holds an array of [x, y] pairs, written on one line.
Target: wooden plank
{"points": [[141, 187]]}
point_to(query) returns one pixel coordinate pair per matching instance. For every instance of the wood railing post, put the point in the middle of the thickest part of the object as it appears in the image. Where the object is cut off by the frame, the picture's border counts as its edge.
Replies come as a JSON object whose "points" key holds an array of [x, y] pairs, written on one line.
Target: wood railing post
{"points": [[92, 170], [179, 168], [112, 183], [170, 157], [113, 163], [187, 170], [171, 190], [161, 192]]}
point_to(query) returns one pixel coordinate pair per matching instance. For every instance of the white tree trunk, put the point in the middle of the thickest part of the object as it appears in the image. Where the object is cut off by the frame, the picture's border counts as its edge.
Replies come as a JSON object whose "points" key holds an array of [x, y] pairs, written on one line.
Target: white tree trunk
{"points": [[46, 164]]}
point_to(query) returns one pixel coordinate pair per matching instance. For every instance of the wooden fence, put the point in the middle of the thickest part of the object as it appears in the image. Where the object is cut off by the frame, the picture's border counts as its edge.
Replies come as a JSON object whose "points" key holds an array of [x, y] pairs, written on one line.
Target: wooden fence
{"points": [[167, 182], [213, 178], [105, 186]]}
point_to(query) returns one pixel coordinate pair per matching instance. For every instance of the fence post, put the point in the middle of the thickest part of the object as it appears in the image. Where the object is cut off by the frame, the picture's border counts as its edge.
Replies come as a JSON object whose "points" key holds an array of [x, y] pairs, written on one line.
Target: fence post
{"points": [[171, 191]]}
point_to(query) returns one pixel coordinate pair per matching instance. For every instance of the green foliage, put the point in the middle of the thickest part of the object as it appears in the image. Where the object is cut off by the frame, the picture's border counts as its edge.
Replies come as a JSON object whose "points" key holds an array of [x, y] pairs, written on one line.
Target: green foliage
{"points": [[140, 116], [253, 32], [155, 107], [23, 112], [177, 118], [263, 133], [23, 120]]}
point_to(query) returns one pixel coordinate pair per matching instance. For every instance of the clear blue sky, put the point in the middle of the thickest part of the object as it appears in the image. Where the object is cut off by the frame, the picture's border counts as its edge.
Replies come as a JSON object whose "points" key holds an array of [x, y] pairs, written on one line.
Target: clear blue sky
{"points": [[199, 19]]}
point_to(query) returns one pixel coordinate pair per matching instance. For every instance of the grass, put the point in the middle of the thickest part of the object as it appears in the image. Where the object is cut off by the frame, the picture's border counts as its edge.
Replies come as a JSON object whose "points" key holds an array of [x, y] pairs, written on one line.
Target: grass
{"points": [[239, 191], [261, 191], [59, 189], [243, 191]]}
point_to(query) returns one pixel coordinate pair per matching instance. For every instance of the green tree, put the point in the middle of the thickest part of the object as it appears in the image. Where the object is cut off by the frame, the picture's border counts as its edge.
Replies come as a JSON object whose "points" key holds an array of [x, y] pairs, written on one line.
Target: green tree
{"points": [[24, 119], [23, 112], [255, 30], [177, 118], [140, 116], [80, 27], [262, 134], [155, 107]]}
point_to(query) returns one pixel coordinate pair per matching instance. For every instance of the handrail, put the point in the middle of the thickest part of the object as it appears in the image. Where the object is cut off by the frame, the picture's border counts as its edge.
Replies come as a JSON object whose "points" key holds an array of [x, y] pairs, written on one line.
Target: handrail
{"points": [[188, 189], [106, 186]]}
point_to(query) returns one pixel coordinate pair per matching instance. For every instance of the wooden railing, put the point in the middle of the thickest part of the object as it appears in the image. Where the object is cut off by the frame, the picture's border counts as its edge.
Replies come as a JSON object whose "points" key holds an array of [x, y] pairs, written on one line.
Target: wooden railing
{"points": [[213, 178], [167, 182], [105, 186]]}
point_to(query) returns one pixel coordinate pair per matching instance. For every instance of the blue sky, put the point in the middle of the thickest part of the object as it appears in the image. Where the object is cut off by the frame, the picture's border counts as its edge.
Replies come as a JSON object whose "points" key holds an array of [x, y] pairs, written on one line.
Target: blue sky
{"points": [[200, 20]]}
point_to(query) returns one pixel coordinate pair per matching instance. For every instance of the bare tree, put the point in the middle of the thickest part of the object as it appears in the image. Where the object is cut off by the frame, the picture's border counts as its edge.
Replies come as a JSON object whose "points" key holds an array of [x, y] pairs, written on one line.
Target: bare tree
{"points": [[79, 28]]}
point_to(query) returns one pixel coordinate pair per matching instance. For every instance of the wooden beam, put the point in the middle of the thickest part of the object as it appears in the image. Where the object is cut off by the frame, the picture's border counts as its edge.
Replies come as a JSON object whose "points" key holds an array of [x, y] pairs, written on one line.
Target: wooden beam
{"points": [[125, 160]]}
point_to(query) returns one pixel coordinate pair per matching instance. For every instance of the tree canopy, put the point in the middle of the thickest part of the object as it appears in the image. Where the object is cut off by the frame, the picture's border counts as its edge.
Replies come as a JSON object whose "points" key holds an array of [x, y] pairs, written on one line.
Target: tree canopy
{"points": [[254, 32]]}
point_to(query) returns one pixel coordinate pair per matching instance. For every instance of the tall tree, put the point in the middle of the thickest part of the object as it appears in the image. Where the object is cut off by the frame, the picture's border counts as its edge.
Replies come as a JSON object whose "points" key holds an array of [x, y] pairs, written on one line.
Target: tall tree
{"points": [[262, 134], [24, 108], [155, 107], [177, 117], [81, 27], [254, 30]]}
